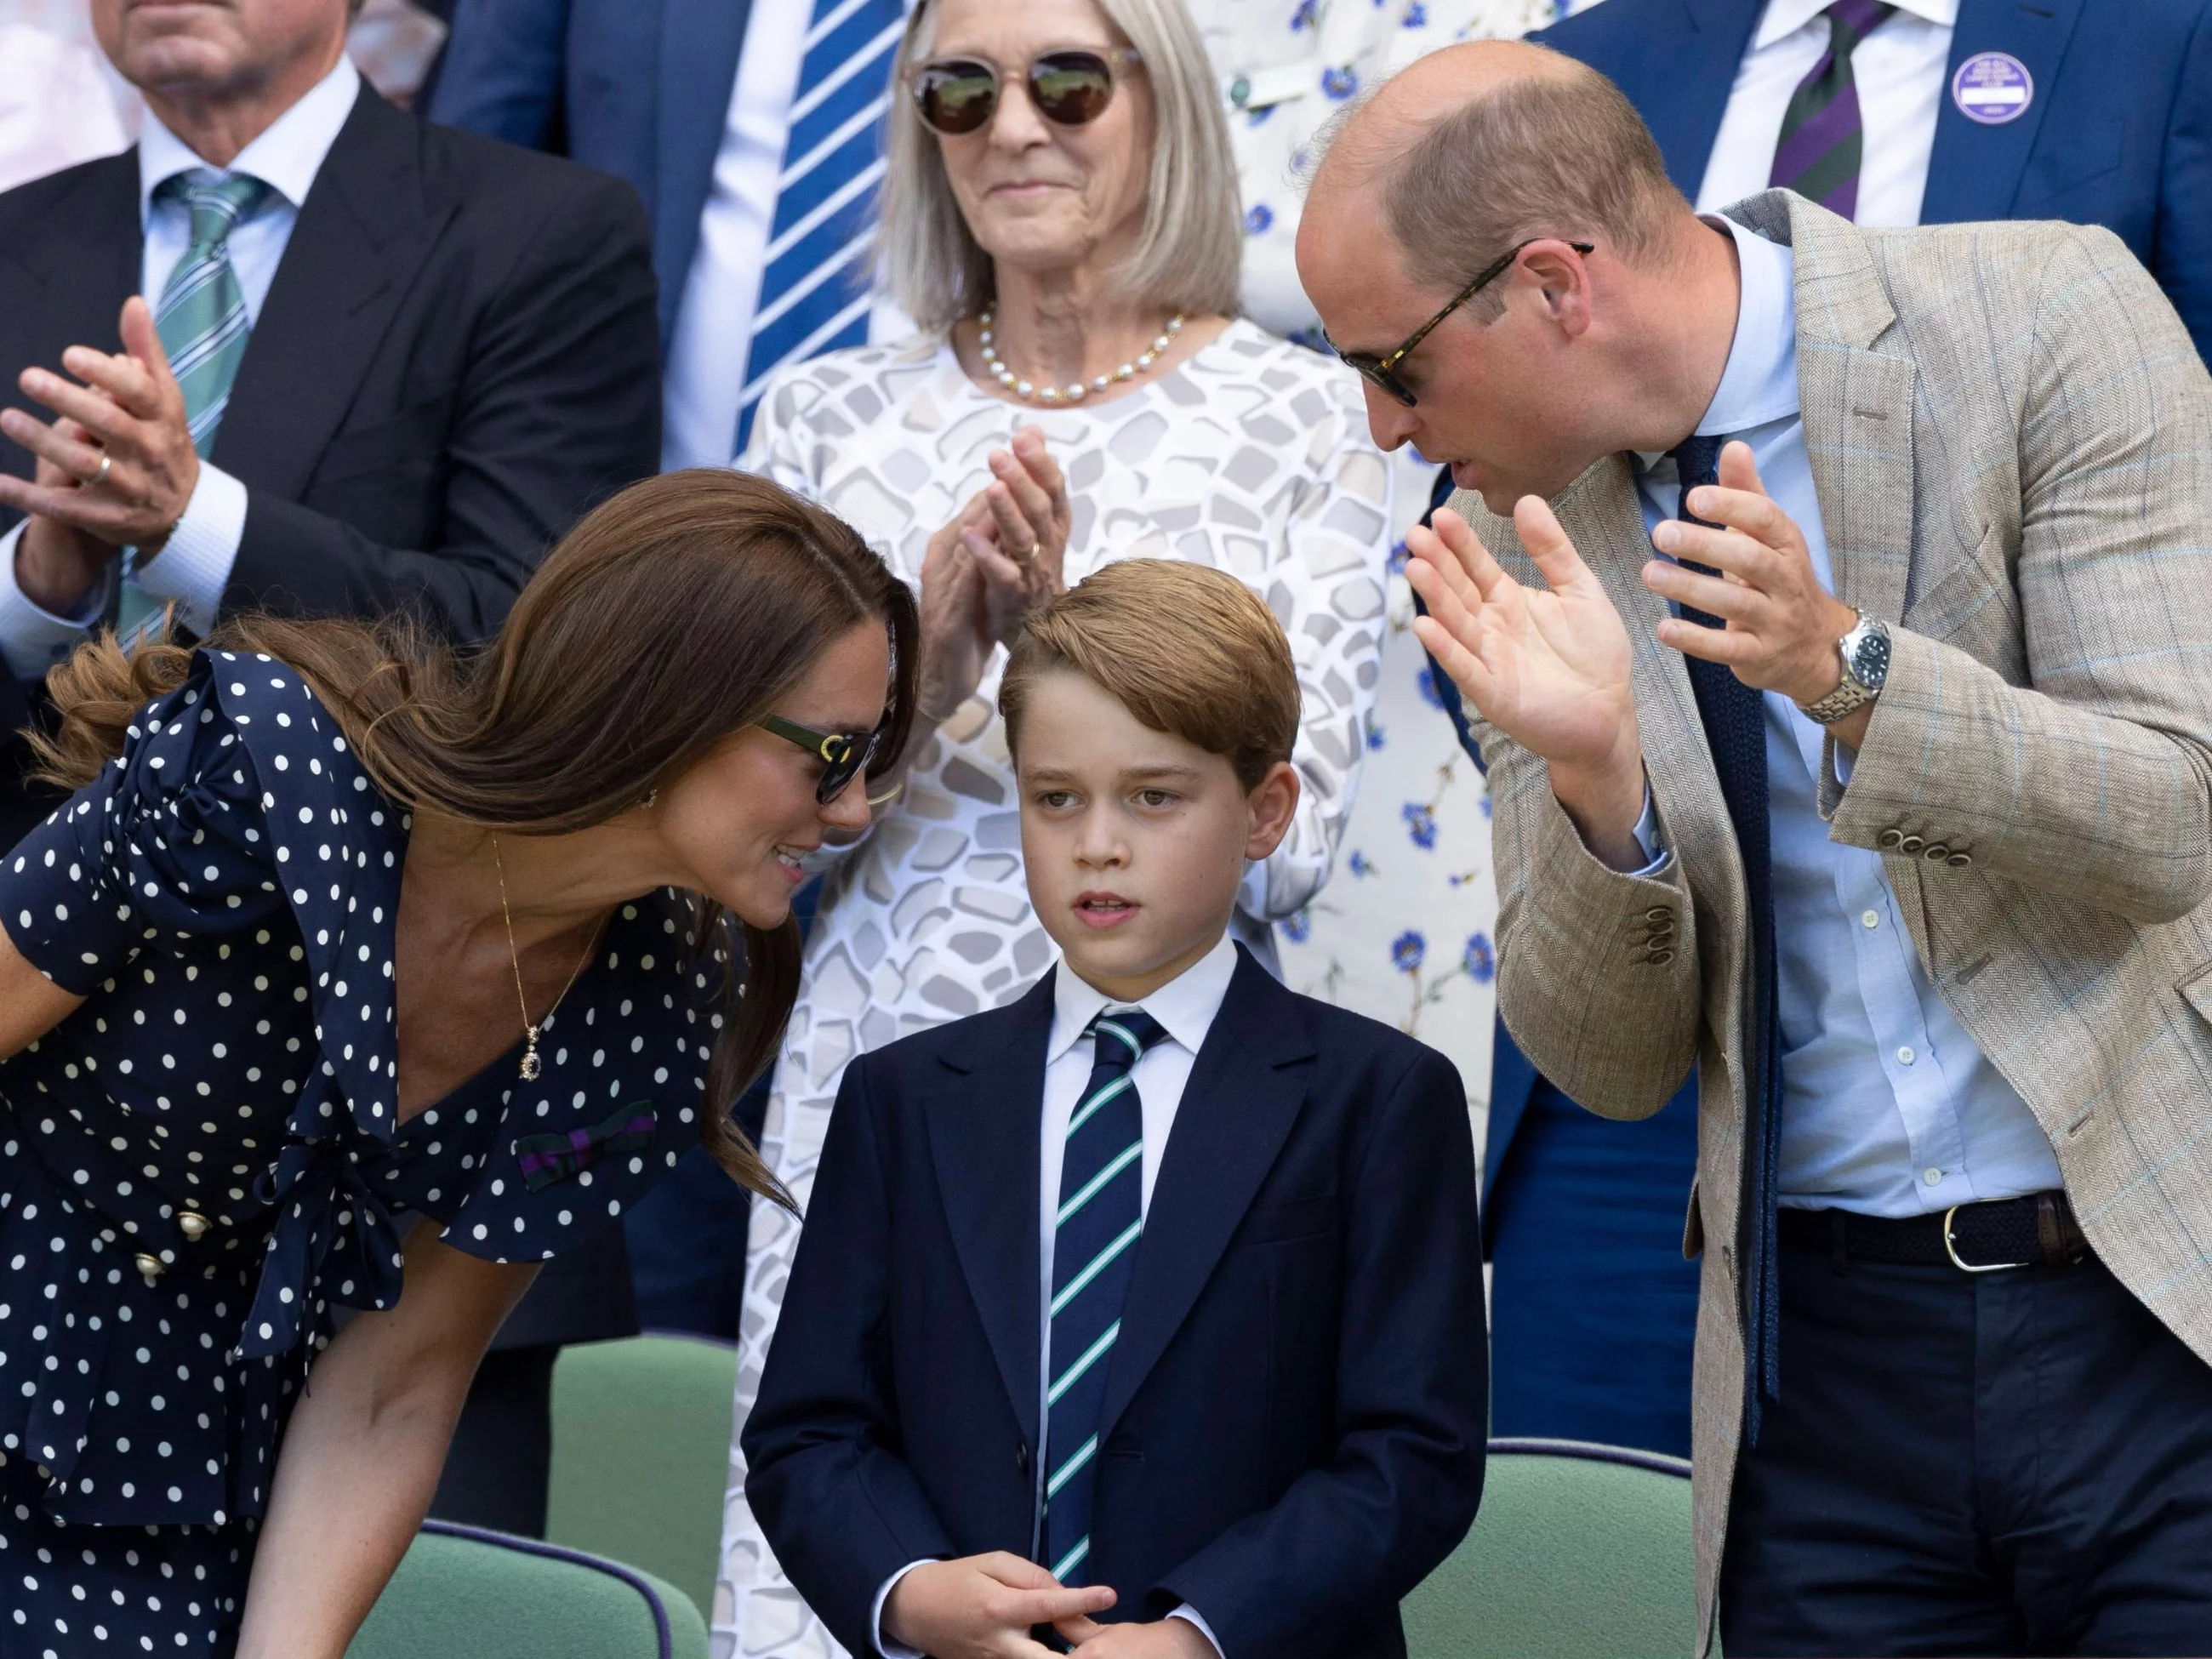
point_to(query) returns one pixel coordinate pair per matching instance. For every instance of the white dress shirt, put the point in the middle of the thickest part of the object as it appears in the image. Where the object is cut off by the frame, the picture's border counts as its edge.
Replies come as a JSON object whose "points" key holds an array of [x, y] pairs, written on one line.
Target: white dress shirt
{"points": [[193, 568], [1888, 1107], [1185, 1007], [1898, 70], [707, 349]]}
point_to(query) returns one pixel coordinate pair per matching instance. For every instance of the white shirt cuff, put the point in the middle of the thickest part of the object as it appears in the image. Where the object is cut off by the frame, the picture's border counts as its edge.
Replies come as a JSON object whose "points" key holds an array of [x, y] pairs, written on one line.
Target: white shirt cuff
{"points": [[884, 1645], [1189, 1614], [32, 638], [1649, 840], [194, 566]]}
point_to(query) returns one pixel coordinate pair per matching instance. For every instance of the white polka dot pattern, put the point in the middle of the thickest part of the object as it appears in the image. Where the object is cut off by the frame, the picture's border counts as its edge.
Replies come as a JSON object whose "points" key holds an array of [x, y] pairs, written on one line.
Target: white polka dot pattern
{"points": [[224, 896]]}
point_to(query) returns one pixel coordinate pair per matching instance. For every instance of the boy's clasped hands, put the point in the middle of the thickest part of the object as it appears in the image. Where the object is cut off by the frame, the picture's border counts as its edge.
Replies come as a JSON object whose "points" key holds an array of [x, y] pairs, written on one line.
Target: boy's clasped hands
{"points": [[983, 1606]]}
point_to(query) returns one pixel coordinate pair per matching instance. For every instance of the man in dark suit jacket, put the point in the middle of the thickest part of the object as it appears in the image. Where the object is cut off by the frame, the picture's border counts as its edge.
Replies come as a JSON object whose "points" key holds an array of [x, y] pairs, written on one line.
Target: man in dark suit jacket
{"points": [[2116, 129], [439, 351]]}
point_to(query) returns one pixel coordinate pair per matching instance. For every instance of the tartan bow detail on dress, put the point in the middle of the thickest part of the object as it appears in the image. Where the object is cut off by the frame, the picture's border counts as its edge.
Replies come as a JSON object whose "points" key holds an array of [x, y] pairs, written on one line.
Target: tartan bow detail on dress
{"points": [[548, 1158]]}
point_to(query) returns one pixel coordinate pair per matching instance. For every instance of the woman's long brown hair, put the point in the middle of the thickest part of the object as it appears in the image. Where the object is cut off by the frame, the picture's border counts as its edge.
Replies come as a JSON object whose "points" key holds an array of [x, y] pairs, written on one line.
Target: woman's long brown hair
{"points": [[676, 614]]}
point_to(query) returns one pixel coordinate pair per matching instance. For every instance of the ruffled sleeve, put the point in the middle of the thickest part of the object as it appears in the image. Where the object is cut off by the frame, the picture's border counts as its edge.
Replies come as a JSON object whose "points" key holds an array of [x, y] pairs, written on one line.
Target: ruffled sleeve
{"points": [[168, 837]]}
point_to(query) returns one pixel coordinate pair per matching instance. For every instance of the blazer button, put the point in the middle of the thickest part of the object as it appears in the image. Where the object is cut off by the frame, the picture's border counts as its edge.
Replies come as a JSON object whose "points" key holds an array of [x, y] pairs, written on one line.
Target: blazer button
{"points": [[1659, 913], [1937, 852], [149, 1265], [193, 1225], [1910, 846], [1891, 840], [1021, 1456], [1660, 959], [1959, 861]]}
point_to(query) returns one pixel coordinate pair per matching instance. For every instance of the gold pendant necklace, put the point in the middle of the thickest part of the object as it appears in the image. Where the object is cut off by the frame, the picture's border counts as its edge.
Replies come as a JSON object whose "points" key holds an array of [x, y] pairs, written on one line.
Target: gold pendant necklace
{"points": [[532, 1066]]}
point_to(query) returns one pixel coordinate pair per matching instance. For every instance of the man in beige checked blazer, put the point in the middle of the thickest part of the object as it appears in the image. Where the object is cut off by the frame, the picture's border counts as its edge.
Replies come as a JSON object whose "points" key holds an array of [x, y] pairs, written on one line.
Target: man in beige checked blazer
{"points": [[1844, 672]]}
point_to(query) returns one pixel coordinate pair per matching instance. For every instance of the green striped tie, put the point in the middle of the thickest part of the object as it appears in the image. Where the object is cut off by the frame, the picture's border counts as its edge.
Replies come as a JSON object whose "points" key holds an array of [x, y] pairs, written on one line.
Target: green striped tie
{"points": [[203, 327]]}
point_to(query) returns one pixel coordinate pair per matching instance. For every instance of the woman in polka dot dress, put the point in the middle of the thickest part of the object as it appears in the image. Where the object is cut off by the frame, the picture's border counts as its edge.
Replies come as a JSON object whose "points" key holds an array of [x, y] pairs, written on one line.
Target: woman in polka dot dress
{"points": [[356, 974]]}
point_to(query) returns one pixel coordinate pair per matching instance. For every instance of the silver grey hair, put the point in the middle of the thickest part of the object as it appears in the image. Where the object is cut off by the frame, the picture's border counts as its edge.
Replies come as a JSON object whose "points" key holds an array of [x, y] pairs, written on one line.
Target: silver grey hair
{"points": [[1190, 246]]}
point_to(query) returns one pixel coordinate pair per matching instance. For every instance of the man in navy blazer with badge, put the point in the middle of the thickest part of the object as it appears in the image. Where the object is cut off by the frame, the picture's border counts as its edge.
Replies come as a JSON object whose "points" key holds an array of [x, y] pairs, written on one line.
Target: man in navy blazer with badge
{"points": [[1150, 1307], [2098, 112]]}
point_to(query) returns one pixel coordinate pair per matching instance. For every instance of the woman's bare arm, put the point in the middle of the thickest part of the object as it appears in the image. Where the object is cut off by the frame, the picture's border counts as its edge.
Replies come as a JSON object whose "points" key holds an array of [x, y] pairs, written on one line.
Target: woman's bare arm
{"points": [[363, 1450], [31, 1004]]}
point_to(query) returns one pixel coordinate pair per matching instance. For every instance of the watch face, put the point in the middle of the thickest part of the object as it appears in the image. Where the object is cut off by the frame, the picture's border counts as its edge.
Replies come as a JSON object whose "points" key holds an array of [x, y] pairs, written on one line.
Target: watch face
{"points": [[1869, 659]]}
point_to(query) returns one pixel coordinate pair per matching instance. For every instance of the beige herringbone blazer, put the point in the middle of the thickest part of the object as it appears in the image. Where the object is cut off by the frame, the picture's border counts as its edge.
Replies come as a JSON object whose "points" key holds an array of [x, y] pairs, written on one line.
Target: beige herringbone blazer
{"points": [[2011, 439]]}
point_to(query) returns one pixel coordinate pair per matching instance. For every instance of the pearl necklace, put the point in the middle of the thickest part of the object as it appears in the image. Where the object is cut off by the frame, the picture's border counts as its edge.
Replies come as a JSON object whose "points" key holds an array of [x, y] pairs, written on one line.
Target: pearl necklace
{"points": [[1075, 391]]}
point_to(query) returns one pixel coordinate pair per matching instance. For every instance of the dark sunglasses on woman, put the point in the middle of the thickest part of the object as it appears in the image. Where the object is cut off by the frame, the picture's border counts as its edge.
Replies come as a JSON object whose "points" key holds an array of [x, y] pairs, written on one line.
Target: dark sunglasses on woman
{"points": [[1069, 88], [844, 755]]}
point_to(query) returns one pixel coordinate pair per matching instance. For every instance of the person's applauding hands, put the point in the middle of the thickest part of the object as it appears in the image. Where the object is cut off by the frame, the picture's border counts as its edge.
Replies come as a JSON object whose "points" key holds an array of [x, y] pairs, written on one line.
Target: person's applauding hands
{"points": [[1548, 667], [983, 1606], [116, 467], [989, 569]]}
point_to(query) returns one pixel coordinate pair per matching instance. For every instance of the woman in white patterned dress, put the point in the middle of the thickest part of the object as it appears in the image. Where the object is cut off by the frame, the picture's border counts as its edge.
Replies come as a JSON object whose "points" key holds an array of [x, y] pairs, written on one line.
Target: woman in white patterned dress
{"points": [[1061, 168]]}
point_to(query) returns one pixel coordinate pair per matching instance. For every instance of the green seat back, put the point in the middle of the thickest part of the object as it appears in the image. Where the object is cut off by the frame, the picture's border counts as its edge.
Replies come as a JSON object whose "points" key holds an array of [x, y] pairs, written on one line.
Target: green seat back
{"points": [[642, 1455], [462, 1593], [1579, 1552]]}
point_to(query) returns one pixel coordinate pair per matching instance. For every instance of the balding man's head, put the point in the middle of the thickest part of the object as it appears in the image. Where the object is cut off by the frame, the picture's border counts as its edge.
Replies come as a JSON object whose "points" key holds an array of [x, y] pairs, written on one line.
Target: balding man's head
{"points": [[1475, 148]]}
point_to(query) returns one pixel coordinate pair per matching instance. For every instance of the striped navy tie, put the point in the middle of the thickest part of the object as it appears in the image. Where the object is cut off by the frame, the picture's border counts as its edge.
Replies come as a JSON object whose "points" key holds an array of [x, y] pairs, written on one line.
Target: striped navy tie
{"points": [[1094, 1254], [813, 292]]}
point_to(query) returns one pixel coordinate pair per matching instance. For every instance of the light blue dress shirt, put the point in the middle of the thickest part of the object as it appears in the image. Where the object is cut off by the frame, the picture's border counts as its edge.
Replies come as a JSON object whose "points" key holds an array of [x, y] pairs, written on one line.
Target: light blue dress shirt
{"points": [[194, 567], [1888, 1107]]}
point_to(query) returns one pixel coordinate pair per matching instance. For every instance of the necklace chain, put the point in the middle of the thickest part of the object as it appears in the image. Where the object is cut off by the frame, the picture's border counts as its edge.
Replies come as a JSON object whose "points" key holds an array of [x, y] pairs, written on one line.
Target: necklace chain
{"points": [[1075, 391], [532, 1066]]}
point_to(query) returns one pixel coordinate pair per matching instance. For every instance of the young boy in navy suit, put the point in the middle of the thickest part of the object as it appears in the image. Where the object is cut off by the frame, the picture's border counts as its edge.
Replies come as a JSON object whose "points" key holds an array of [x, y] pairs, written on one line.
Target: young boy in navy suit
{"points": [[1144, 1315]]}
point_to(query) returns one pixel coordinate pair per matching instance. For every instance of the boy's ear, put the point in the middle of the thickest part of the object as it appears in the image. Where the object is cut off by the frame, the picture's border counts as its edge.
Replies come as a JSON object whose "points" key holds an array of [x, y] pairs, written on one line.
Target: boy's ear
{"points": [[1271, 802]]}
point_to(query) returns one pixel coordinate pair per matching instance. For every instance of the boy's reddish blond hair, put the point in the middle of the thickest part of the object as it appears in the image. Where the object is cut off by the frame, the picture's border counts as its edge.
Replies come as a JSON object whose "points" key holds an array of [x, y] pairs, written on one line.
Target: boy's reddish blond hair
{"points": [[1187, 649]]}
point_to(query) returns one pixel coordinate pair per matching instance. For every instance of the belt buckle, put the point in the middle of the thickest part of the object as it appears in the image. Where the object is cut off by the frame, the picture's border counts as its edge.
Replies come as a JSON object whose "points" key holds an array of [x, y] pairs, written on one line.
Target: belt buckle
{"points": [[1951, 1249]]}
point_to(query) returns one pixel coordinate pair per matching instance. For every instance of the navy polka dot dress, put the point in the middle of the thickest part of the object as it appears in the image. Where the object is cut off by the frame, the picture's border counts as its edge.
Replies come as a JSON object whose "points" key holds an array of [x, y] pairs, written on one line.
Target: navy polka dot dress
{"points": [[203, 1162]]}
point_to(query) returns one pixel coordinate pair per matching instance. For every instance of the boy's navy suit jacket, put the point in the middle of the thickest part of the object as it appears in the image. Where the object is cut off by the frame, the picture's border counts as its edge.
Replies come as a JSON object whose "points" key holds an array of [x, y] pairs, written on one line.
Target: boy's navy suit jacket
{"points": [[1293, 1429]]}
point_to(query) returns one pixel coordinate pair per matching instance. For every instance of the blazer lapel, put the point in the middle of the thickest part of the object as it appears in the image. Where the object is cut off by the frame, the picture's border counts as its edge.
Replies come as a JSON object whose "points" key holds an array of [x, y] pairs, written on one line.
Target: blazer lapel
{"points": [[367, 223], [1974, 171], [1856, 403], [86, 263], [1236, 1111], [699, 40], [984, 1121], [1680, 79]]}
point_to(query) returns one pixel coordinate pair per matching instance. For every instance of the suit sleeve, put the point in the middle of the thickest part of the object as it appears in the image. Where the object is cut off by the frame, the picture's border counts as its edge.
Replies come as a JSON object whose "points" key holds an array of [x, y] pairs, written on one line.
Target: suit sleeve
{"points": [[502, 72], [2095, 779], [558, 406], [2182, 240], [840, 1508], [1413, 1392]]}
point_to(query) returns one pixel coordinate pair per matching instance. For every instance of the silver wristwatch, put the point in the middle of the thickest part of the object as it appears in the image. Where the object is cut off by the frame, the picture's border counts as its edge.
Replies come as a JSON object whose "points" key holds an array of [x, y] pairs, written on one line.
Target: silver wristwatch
{"points": [[1865, 653]]}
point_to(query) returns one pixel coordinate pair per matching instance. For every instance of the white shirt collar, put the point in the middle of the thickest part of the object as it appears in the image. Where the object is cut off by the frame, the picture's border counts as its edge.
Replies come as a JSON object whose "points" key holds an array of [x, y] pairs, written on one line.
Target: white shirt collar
{"points": [[1185, 1006], [286, 157], [1788, 16], [1760, 383]]}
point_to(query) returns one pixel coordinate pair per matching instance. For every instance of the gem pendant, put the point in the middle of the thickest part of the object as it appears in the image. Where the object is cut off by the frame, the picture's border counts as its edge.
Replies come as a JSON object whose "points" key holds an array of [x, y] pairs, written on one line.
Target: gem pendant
{"points": [[532, 1068]]}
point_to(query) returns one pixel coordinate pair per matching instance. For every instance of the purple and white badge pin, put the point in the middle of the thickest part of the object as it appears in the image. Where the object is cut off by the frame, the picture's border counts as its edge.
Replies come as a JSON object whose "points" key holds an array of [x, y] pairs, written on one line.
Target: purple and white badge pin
{"points": [[1993, 87]]}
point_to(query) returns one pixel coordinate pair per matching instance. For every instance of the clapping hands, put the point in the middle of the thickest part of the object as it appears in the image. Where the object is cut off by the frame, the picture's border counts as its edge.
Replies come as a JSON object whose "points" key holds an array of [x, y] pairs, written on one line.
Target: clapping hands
{"points": [[988, 571], [983, 1606]]}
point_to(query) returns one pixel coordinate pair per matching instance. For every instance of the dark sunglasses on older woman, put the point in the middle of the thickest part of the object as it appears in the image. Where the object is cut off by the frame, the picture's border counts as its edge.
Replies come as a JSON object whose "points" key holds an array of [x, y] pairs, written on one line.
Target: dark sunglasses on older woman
{"points": [[1069, 88], [843, 755]]}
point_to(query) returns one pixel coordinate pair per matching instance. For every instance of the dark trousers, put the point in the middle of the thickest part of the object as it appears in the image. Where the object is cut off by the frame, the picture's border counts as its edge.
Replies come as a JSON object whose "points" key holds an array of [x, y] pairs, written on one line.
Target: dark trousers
{"points": [[1594, 1312], [2015, 1462]]}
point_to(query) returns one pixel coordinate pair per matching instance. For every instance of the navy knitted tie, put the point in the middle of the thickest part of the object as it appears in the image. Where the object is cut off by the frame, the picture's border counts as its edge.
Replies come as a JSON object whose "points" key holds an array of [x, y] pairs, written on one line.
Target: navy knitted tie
{"points": [[1734, 719]]}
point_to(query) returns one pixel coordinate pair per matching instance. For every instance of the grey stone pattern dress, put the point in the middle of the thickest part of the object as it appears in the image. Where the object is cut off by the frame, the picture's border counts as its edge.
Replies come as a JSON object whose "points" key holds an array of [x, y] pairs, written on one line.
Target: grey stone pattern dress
{"points": [[1252, 456], [203, 1161]]}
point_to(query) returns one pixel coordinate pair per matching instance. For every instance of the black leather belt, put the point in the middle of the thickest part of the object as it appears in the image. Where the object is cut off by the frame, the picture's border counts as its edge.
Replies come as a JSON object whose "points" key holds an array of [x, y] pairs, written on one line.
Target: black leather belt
{"points": [[2037, 1231]]}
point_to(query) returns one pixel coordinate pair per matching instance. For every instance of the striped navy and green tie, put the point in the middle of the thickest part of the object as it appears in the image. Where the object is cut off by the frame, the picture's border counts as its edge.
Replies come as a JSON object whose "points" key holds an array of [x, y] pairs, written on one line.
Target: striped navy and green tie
{"points": [[1094, 1254], [203, 323], [1822, 136]]}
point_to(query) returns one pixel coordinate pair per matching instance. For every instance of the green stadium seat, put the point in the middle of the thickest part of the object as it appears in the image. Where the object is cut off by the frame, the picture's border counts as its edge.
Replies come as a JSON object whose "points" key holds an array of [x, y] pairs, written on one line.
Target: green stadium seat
{"points": [[1580, 1551], [642, 1455], [466, 1592]]}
